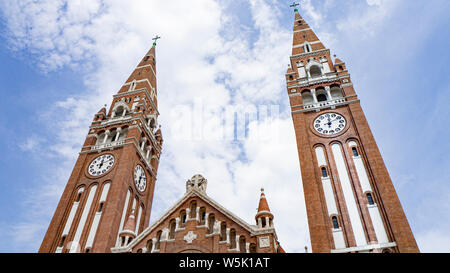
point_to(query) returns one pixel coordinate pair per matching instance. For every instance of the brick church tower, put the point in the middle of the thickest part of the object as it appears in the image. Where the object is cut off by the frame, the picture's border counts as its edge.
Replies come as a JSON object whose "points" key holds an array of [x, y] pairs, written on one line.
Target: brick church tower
{"points": [[114, 177], [351, 202]]}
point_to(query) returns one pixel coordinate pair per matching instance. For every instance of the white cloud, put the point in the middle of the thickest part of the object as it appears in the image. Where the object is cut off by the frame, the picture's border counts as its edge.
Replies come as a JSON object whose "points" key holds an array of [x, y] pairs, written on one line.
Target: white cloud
{"points": [[434, 241], [31, 144]]}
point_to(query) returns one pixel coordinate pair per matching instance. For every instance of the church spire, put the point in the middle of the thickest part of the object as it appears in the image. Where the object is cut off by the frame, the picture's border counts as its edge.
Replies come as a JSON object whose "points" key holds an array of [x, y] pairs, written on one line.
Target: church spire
{"points": [[264, 218], [305, 40]]}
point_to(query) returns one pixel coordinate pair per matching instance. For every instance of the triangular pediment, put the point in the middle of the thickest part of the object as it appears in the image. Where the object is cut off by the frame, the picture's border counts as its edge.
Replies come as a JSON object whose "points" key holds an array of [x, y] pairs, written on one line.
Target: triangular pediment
{"points": [[183, 203]]}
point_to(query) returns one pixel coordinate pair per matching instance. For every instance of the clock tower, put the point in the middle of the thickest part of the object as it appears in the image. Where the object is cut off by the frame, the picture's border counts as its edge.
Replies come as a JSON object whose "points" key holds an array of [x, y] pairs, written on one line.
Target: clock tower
{"points": [[109, 195], [351, 202]]}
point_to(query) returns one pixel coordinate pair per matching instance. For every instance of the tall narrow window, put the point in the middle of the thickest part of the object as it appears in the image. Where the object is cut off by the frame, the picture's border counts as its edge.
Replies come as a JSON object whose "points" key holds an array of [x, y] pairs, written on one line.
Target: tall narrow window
{"points": [[172, 226], [149, 246], [307, 48], [223, 231], [335, 222], [355, 151], [324, 172], [63, 239], [183, 217], [78, 197], [242, 245], [232, 238], [193, 212], [370, 199], [100, 207], [252, 248], [158, 240], [211, 221], [202, 215]]}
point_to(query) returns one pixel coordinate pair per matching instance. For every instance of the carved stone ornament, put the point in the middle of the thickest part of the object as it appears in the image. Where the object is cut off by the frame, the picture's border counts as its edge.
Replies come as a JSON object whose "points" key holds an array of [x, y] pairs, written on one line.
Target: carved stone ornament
{"points": [[264, 242], [190, 236]]}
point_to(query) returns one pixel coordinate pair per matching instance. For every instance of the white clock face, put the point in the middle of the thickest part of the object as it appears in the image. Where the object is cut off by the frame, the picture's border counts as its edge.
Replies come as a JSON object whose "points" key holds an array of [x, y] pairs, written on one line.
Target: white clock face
{"points": [[140, 180], [329, 123], [101, 165]]}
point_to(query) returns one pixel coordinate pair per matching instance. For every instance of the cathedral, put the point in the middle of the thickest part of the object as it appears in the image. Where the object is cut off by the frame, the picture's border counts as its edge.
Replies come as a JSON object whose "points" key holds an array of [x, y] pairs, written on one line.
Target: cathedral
{"points": [[351, 203]]}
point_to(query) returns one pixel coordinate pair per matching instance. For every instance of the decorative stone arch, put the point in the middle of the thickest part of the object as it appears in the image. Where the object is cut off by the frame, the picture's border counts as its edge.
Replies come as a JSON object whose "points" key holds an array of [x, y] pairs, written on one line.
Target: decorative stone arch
{"points": [[192, 248], [307, 97], [314, 68], [321, 94], [336, 92], [119, 107]]}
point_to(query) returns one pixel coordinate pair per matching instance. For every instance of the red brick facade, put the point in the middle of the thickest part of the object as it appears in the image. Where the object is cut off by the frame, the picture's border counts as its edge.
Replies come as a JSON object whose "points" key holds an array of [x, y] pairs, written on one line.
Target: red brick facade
{"points": [[129, 134], [316, 86], [196, 223]]}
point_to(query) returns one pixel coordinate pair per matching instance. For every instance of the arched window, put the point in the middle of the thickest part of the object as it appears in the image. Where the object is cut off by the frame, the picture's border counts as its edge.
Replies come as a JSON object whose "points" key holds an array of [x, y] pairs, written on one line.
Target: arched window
{"points": [[232, 238], [149, 246], [63, 239], [123, 134], [307, 98], [211, 221], [100, 207], [182, 218], [335, 222], [370, 199], [321, 97], [223, 231], [242, 245], [324, 172], [355, 151], [100, 138], [158, 239], [263, 222], [202, 215], [336, 92], [133, 85], [78, 197], [315, 71], [120, 111], [252, 248], [307, 48], [193, 210], [172, 225]]}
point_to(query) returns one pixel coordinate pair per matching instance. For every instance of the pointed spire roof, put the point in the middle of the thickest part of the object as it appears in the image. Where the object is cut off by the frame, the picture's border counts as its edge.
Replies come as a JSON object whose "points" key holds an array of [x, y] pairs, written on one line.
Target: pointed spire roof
{"points": [[303, 35], [130, 225], [263, 205], [102, 111], [337, 60]]}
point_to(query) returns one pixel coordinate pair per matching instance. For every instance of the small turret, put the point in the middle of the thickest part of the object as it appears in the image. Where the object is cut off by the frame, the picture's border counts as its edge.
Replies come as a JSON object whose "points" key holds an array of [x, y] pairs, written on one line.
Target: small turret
{"points": [[127, 234], [101, 114], [264, 218]]}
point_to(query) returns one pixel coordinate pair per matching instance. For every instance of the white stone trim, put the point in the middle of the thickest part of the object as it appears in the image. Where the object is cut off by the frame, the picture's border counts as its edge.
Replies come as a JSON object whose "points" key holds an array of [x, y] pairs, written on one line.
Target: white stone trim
{"points": [[364, 248], [301, 30]]}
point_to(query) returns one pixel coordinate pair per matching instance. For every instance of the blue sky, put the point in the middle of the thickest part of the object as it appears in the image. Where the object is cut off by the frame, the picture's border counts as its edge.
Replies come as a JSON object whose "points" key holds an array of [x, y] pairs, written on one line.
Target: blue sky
{"points": [[61, 60]]}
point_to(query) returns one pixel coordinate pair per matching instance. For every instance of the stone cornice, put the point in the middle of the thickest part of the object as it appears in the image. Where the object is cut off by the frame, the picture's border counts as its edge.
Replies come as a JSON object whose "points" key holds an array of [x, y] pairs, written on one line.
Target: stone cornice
{"points": [[317, 109], [318, 52]]}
